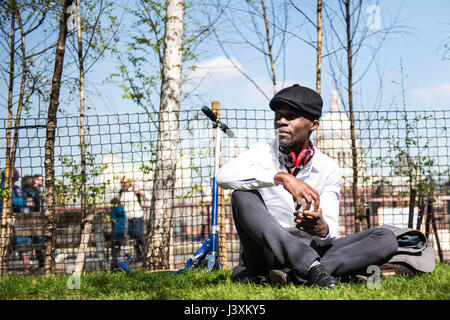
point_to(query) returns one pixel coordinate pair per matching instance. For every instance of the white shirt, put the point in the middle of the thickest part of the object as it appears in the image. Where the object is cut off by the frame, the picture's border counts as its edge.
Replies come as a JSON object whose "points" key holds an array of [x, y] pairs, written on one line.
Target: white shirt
{"points": [[131, 205], [256, 169]]}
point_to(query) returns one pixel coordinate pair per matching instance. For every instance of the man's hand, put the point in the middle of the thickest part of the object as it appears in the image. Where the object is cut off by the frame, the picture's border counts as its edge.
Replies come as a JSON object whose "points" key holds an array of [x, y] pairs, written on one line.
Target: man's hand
{"points": [[299, 190], [311, 222], [30, 202]]}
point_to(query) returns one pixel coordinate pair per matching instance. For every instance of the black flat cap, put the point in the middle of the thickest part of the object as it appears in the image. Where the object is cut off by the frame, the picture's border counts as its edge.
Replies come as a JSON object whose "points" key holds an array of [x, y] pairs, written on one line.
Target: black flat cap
{"points": [[307, 101]]}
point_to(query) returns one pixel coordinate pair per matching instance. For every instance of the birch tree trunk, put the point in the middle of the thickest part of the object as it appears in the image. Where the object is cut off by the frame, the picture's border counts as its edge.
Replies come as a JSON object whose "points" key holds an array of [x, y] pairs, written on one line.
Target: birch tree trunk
{"points": [[159, 246], [86, 219], [86, 232], [50, 140]]}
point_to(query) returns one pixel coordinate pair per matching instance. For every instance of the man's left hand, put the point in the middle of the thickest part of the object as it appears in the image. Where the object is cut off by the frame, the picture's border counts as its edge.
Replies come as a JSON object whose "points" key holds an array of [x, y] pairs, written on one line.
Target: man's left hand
{"points": [[311, 222]]}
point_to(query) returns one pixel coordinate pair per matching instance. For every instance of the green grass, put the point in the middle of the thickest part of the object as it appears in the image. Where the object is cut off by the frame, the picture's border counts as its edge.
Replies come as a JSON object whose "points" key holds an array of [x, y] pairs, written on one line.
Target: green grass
{"points": [[215, 285]]}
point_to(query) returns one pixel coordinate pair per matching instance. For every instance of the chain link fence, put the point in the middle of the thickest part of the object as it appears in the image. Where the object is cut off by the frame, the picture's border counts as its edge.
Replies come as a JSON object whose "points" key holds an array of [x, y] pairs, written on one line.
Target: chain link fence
{"points": [[401, 162]]}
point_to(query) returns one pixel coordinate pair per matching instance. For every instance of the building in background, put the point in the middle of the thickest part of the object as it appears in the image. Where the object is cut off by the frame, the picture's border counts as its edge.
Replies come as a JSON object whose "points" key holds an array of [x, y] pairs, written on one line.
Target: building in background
{"points": [[336, 141]]}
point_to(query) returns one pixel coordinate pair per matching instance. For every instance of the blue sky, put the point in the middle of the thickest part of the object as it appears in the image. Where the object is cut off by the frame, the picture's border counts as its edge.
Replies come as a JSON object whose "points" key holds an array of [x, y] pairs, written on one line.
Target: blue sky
{"points": [[427, 81], [426, 75]]}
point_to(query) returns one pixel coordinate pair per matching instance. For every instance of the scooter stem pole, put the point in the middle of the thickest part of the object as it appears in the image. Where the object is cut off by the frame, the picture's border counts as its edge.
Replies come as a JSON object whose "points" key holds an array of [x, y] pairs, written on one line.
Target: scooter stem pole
{"points": [[215, 197]]}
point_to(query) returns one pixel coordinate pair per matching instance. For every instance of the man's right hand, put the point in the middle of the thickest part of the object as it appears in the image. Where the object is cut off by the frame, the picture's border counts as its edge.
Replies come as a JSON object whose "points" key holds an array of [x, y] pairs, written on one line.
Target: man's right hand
{"points": [[299, 190]]}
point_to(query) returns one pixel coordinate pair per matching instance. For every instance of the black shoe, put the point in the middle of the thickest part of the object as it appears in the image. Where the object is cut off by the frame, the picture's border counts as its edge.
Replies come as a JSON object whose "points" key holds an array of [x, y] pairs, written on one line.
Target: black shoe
{"points": [[319, 276], [241, 274], [278, 278]]}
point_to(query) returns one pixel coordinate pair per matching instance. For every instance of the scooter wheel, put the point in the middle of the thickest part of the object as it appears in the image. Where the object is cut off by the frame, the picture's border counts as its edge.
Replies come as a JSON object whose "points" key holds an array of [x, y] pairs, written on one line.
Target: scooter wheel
{"points": [[218, 265]]}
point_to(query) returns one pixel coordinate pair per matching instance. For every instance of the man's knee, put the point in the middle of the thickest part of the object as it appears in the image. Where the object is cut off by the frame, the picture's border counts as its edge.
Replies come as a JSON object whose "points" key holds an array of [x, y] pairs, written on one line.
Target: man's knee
{"points": [[244, 195], [388, 242], [236, 196], [240, 200]]}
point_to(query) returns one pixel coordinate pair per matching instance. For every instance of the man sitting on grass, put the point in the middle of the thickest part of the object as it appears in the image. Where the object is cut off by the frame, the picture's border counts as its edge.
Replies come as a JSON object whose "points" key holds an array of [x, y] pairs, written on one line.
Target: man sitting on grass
{"points": [[286, 204]]}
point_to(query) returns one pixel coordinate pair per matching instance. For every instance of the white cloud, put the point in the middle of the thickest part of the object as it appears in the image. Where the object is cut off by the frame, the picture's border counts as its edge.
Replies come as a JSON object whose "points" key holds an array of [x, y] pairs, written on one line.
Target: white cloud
{"points": [[248, 94], [433, 93], [218, 68], [220, 78]]}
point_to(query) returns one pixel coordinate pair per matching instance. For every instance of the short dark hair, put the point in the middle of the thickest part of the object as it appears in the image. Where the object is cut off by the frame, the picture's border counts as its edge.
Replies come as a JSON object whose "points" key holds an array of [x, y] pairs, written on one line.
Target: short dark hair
{"points": [[27, 181], [115, 202]]}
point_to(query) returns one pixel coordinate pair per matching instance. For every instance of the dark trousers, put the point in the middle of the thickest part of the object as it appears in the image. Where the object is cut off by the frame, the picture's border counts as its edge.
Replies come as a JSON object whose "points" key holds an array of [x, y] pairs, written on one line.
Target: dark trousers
{"points": [[39, 240], [267, 245], [136, 231], [118, 240]]}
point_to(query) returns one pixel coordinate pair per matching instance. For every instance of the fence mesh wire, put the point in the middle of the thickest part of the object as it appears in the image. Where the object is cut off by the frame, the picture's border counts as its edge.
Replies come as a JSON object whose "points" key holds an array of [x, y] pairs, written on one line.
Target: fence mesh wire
{"points": [[397, 154]]}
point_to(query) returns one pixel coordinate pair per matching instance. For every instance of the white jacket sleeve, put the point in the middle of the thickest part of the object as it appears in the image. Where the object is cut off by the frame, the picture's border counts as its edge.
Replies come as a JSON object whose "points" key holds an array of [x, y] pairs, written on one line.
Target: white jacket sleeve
{"points": [[329, 202], [251, 170]]}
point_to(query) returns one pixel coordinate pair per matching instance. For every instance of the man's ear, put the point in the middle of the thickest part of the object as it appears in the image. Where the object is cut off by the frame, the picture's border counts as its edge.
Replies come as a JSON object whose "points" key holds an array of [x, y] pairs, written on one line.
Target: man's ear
{"points": [[315, 124]]}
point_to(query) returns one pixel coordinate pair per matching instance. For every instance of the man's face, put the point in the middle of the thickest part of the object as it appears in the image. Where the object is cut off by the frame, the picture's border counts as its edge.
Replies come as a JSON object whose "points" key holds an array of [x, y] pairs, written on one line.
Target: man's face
{"points": [[293, 129], [126, 184], [38, 182]]}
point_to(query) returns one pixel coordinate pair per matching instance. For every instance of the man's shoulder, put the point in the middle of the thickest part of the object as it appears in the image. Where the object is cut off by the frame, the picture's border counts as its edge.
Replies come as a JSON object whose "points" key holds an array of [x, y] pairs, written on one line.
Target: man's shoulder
{"points": [[323, 161], [117, 210], [259, 150], [262, 146], [330, 171], [17, 191]]}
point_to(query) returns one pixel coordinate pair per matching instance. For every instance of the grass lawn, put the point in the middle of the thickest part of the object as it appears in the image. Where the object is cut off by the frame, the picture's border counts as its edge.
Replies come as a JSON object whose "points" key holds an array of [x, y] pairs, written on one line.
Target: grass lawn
{"points": [[216, 285]]}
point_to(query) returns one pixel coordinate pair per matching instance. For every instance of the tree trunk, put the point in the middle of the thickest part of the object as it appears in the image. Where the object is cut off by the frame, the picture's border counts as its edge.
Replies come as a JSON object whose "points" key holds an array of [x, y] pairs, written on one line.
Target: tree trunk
{"points": [[13, 149], [221, 218], [87, 221], [11, 157], [269, 48], [435, 230], [412, 203], [50, 140], [7, 199], [421, 211], [319, 62], [84, 243], [159, 242], [356, 206]]}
